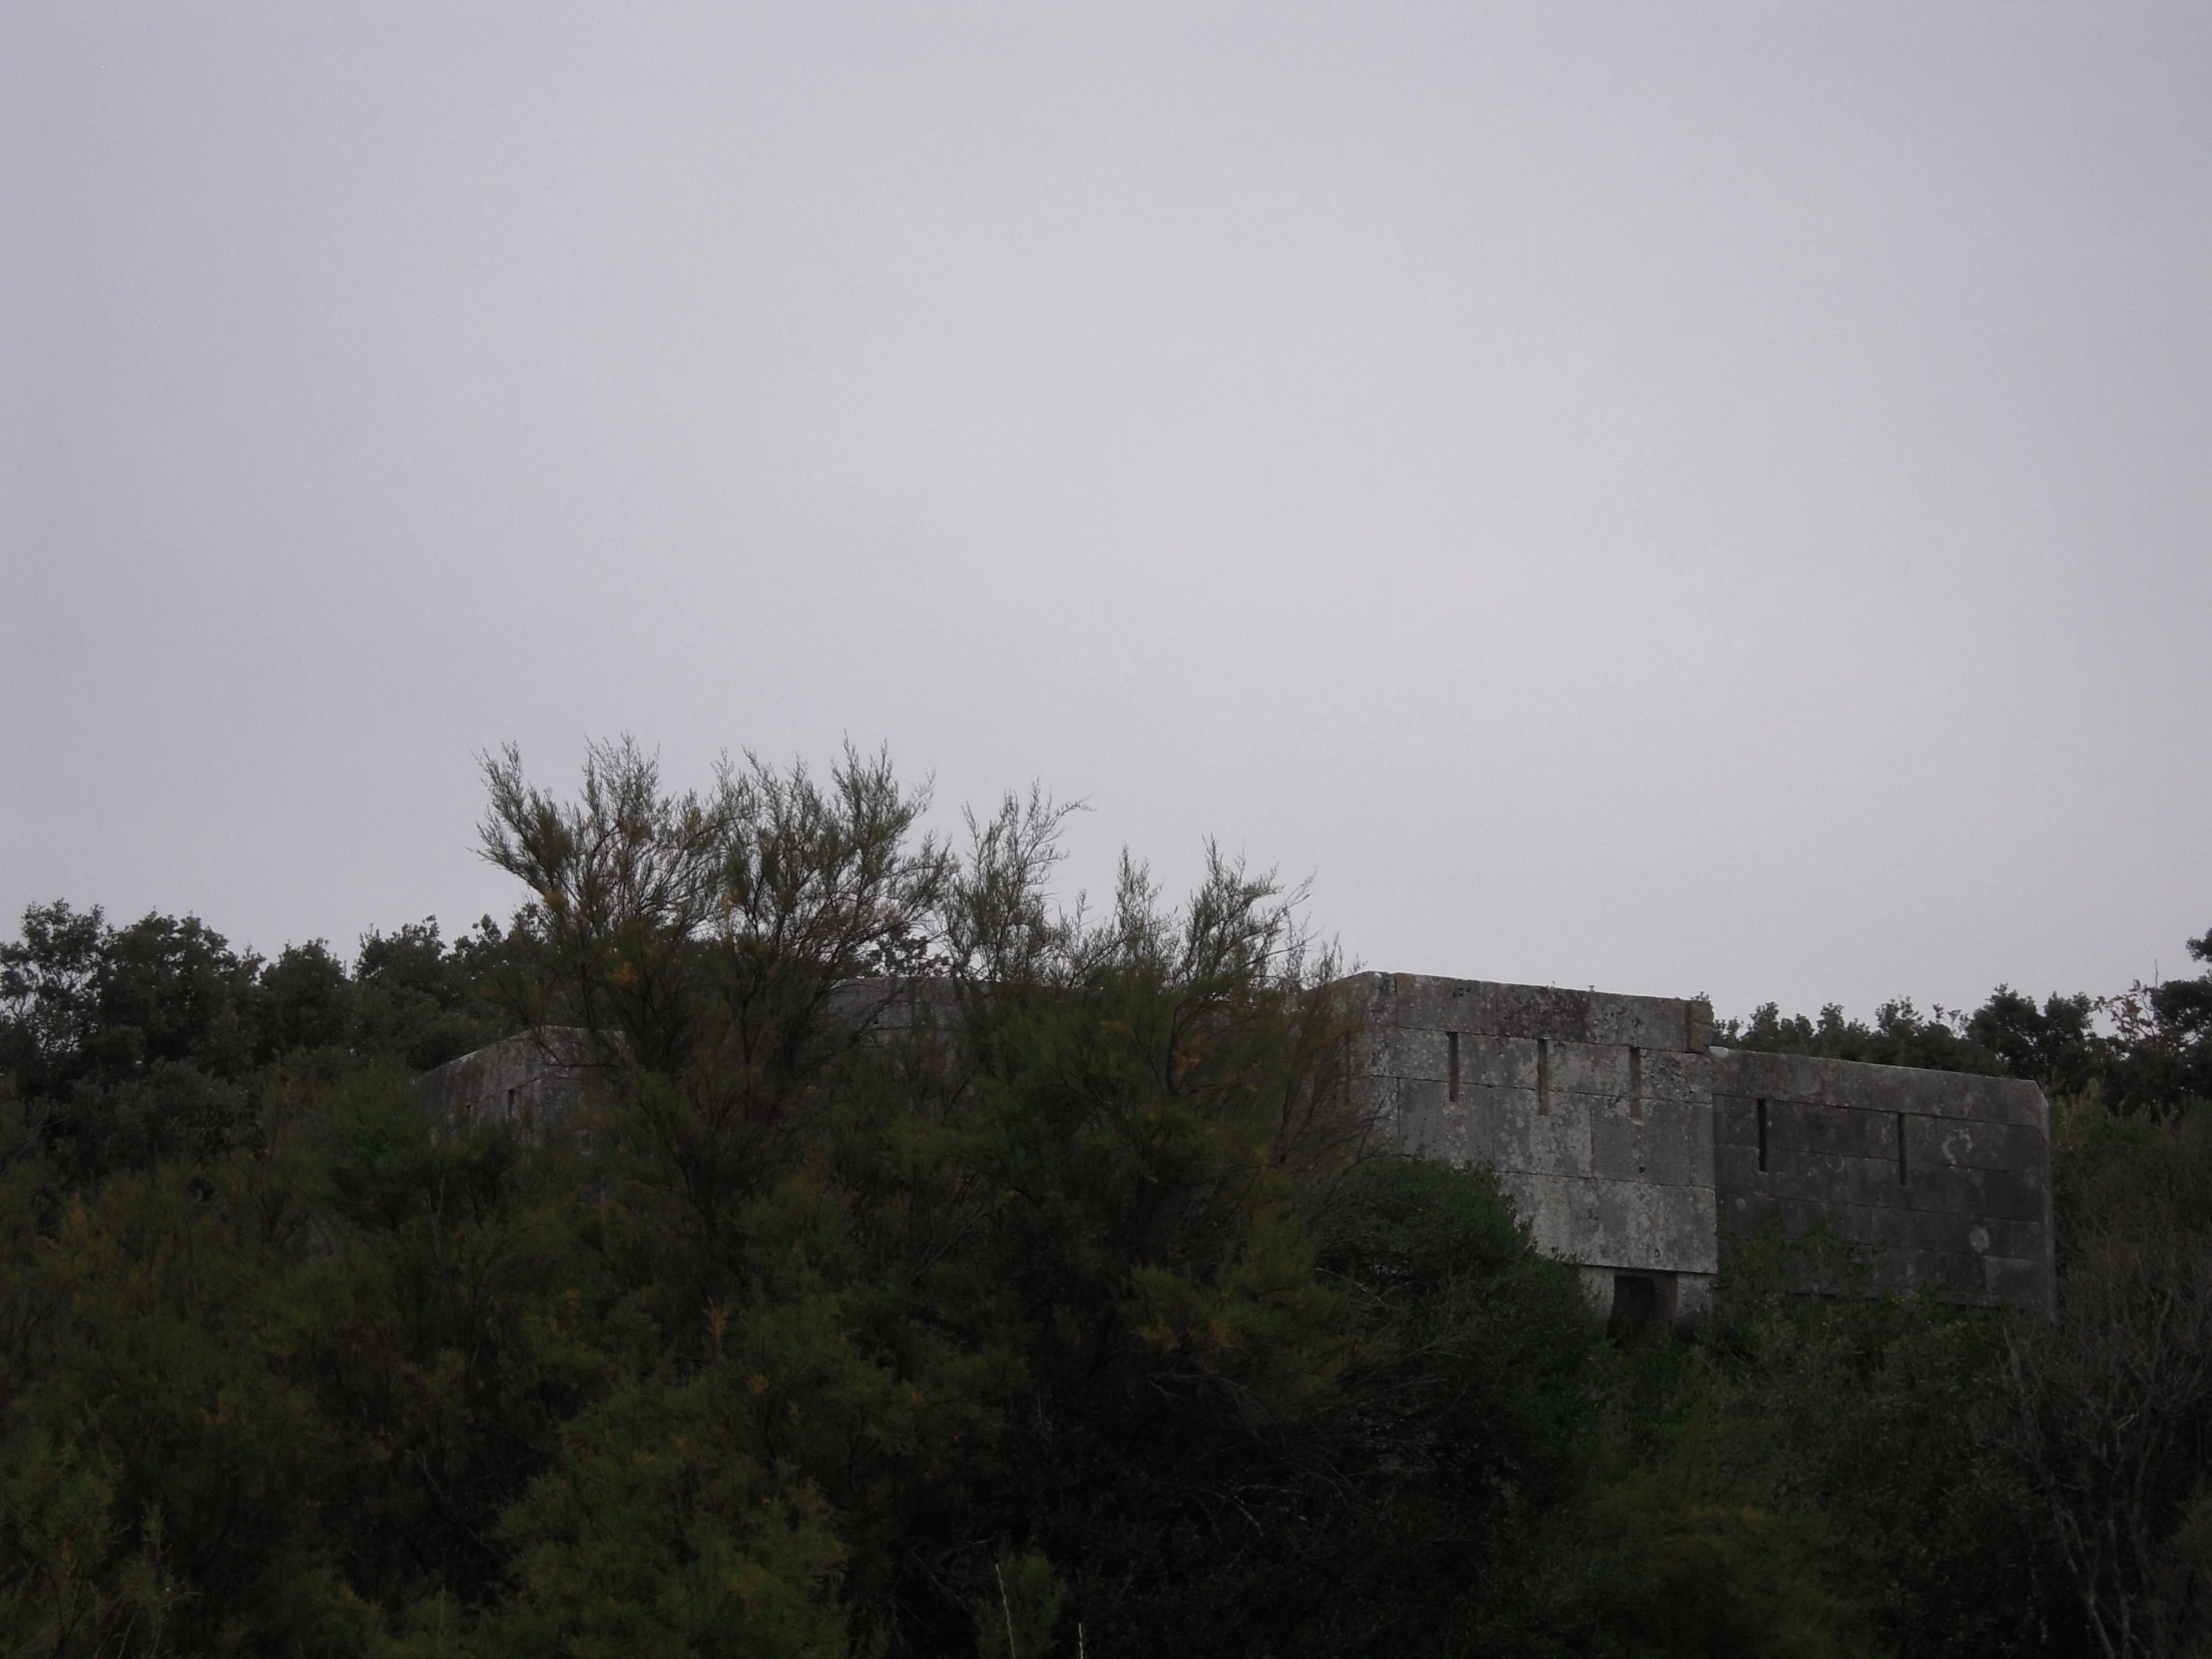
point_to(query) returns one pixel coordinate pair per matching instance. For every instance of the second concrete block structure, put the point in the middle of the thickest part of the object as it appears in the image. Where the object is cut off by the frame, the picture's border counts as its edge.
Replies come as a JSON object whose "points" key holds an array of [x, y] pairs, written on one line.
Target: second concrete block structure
{"points": [[1636, 1150], [1943, 1176]]}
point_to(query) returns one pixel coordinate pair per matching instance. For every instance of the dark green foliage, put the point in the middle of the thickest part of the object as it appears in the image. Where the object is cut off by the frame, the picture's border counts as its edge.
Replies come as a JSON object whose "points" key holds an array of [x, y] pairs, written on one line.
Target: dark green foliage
{"points": [[307, 1002], [129, 1045], [2056, 1045], [1082, 1305], [1057, 1302], [2146, 1050], [421, 1002], [135, 1044], [2161, 1060], [2111, 1402], [86, 1002], [169, 991], [1879, 1413], [1900, 1035]]}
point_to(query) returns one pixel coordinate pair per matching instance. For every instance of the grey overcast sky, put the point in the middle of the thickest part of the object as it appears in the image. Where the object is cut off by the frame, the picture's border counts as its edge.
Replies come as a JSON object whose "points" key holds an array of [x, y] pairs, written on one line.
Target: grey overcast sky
{"points": [[1673, 498]]}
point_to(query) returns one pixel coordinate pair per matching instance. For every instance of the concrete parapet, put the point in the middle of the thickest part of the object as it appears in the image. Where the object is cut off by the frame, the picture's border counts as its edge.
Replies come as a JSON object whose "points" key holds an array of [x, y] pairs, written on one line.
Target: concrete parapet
{"points": [[1853, 1083], [1417, 1002]]}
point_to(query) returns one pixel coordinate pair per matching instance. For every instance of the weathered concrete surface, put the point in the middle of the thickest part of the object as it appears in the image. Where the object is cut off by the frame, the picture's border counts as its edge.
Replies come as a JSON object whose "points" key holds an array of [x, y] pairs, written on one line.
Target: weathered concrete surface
{"points": [[879, 1009], [1943, 1176], [536, 1079], [1631, 1146], [532, 1082], [1595, 1110]]}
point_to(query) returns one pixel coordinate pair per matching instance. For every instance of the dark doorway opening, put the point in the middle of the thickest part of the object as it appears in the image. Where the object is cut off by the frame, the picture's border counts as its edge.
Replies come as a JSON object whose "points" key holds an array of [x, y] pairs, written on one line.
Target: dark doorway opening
{"points": [[1635, 1306]]}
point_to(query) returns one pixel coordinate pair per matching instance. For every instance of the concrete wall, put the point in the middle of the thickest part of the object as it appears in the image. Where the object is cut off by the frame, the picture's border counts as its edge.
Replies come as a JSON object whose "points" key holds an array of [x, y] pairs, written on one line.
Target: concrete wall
{"points": [[1947, 1177], [1631, 1146], [880, 1009], [532, 1082], [1595, 1110]]}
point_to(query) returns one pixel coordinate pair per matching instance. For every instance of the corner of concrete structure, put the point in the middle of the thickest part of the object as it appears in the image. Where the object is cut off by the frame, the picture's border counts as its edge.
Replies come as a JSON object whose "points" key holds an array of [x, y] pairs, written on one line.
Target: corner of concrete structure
{"points": [[1698, 1020], [530, 1081], [2050, 1217]]}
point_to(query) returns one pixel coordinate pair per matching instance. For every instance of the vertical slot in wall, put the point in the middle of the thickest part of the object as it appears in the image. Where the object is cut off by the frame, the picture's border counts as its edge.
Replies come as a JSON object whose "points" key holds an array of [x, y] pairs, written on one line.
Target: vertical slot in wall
{"points": [[1451, 1064], [1544, 1076], [1905, 1171], [1636, 1083], [1762, 1137]]}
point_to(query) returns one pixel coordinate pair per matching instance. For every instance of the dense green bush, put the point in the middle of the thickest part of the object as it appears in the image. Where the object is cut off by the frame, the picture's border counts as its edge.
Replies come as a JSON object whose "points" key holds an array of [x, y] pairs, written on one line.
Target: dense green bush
{"points": [[1063, 1305]]}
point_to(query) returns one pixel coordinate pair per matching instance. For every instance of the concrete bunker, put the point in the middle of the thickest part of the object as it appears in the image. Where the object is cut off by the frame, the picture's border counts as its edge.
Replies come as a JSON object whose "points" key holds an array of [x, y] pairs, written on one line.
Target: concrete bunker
{"points": [[1631, 1146], [1642, 1154]]}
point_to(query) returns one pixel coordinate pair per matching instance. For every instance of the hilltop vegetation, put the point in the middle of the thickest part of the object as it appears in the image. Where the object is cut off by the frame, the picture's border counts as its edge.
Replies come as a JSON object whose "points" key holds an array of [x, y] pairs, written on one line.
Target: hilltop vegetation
{"points": [[2146, 1051], [1081, 1315]]}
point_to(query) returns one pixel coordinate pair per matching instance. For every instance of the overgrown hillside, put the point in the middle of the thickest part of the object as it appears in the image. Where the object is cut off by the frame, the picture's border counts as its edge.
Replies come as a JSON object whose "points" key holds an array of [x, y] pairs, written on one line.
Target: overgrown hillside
{"points": [[1080, 1317]]}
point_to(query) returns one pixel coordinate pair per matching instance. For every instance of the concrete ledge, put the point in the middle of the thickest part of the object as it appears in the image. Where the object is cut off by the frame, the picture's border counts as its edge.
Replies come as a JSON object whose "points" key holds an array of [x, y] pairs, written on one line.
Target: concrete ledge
{"points": [[1424, 1001], [1850, 1083]]}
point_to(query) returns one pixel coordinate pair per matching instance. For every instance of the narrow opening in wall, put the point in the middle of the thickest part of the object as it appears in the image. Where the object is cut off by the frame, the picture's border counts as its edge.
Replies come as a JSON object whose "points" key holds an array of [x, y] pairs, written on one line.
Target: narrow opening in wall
{"points": [[1635, 1306], [513, 1094], [1905, 1172], [1762, 1137], [1451, 1061], [1635, 1082], [1543, 1075]]}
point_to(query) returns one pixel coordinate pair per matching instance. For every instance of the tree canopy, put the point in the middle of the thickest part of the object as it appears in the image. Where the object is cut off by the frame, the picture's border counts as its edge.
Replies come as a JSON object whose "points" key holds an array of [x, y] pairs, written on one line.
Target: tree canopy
{"points": [[935, 1271]]}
